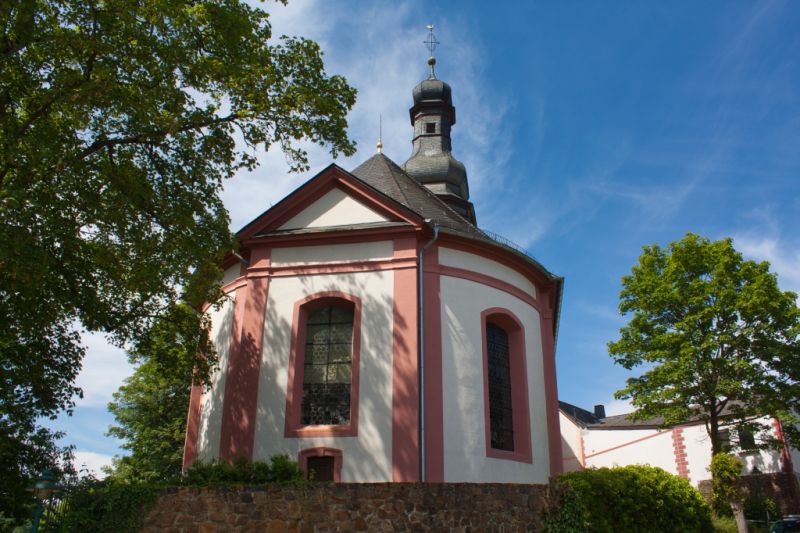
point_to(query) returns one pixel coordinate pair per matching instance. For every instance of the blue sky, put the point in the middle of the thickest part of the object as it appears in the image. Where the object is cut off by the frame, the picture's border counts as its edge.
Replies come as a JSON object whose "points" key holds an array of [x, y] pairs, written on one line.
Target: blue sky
{"points": [[588, 129]]}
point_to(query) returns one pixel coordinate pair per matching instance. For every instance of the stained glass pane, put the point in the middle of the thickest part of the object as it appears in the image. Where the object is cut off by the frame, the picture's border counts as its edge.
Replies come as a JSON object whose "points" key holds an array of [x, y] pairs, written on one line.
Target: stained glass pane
{"points": [[501, 427], [339, 353], [318, 334], [320, 316], [328, 367]]}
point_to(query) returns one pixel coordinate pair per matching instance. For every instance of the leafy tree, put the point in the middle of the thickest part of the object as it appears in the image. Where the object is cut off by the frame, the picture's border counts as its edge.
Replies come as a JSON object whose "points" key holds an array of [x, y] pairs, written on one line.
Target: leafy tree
{"points": [[118, 123], [714, 332], [726, 489], [150, 407]]}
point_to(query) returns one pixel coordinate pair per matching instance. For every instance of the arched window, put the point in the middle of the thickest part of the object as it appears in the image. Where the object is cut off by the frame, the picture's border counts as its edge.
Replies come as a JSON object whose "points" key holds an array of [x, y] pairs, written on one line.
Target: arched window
{"points": [[328, 365], [322, 392], [501, 422], [505, 383]]}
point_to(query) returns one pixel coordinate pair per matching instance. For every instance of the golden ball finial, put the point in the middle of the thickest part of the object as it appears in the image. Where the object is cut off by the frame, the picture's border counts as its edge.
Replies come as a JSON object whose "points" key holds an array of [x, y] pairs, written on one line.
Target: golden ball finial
{"points": [[379, 146]]}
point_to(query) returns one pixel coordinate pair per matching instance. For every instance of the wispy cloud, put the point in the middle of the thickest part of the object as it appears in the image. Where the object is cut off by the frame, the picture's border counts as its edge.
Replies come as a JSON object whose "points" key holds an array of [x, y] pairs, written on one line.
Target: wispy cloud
{"points": [[104, 368], [381, 54], [92, 462], [783, 257]]}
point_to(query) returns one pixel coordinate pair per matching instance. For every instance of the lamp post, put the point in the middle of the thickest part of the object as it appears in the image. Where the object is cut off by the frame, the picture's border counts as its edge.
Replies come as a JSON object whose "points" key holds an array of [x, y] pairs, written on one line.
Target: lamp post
{"points": [[43, 490]]}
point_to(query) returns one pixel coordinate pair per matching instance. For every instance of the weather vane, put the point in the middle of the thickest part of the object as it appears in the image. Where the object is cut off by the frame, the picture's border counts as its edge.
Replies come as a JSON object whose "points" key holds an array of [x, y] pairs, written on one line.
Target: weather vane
{"points": [[431, 43]]}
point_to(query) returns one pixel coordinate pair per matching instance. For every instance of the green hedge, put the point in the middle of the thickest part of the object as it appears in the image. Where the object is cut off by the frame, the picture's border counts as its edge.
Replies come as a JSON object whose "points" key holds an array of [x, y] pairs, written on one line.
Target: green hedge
{"points": [[637, 498]]}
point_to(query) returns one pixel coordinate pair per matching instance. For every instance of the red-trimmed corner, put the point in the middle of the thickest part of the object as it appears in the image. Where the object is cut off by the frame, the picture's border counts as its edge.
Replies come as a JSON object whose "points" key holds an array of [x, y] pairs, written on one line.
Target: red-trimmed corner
{"points": [[786, 456], [237, 432], [338, 459], [434, 409], [519, 385], [405, 390], [547, 304], [679, 449], [294, 388], [192, 426]]}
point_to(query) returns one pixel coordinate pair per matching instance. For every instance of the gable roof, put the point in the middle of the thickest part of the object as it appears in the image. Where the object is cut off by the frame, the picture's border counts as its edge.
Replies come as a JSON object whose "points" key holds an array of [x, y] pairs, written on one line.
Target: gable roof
{"points": [[330, 177]]}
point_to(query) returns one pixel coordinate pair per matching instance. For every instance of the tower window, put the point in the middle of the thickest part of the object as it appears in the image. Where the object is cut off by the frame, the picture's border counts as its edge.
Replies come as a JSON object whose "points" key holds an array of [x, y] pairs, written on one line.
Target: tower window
{"points": [[430, 127]]}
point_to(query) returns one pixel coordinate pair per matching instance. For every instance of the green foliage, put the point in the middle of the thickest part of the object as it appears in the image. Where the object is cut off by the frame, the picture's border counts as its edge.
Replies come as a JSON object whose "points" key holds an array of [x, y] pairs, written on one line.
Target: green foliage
{"points": [[150, 408], [118, 124], [724, 523], [638, 498], [759, 507], [714, 332], [569, 516], [279, 469], [726, 477], [107, 506]]}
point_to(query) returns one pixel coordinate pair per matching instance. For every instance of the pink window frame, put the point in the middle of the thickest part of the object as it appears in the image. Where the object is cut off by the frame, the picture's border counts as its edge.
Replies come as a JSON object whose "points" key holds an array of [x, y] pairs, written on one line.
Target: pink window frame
{"points": [[338, 460], [519, 385], [294, 387]]}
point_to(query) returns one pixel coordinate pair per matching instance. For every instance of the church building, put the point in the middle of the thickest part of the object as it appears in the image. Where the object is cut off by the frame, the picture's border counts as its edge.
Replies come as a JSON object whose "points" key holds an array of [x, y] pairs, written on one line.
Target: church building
{"points": [[373, 332]]}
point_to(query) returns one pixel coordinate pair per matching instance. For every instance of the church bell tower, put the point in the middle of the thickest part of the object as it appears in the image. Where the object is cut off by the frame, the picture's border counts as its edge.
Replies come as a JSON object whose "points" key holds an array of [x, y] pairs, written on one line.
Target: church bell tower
{"points": [[431, 162]]}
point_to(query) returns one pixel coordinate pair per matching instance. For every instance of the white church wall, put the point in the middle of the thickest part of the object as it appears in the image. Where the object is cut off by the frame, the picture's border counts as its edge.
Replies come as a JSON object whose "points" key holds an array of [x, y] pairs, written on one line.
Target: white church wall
{"points": [[211, 402], [698, 452], [570, 443], [231, 273], [367, 457], [629, 447], [465, 457], [334, 208], [337, 253], [487, 267]]}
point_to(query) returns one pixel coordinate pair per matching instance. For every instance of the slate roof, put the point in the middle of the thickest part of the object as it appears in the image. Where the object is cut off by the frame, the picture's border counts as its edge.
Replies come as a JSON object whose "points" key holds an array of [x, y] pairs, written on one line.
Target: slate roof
{"points": [[580, 416], [587, 419], [385, 176]]}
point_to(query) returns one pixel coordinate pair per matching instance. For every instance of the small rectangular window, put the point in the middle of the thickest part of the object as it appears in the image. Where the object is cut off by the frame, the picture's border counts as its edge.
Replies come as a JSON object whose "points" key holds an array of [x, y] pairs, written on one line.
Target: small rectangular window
{"points": [[430, 127], [747, 440], [320, 468]]}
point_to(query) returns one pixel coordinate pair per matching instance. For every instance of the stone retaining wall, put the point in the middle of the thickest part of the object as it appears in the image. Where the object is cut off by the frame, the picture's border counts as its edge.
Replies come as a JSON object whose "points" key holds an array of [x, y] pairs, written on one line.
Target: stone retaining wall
{"points": [[351, 507], [782, 487]]}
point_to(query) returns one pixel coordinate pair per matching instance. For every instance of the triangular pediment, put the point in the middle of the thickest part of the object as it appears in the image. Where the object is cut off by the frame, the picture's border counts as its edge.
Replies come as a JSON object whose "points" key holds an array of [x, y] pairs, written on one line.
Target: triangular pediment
{"points": [[333, 198], [334, 208]]}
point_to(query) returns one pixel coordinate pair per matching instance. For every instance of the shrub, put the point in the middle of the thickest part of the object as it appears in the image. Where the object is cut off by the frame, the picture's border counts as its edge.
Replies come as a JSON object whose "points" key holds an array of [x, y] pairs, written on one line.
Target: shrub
{"points": [[726, 473], [279, 469], [759, 507], [638, 498], [568, 515], [107, 506], [724, 524]]}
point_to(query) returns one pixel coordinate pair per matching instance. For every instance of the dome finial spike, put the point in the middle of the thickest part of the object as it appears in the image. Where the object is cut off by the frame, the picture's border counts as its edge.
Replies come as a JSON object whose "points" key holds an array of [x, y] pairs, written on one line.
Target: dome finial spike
{"points": [[431, 43]]}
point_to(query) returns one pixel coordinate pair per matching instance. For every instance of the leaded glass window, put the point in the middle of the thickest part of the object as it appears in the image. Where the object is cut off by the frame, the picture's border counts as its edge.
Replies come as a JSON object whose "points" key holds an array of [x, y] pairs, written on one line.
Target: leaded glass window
{"points": [[501, 425], [327, 366]]}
